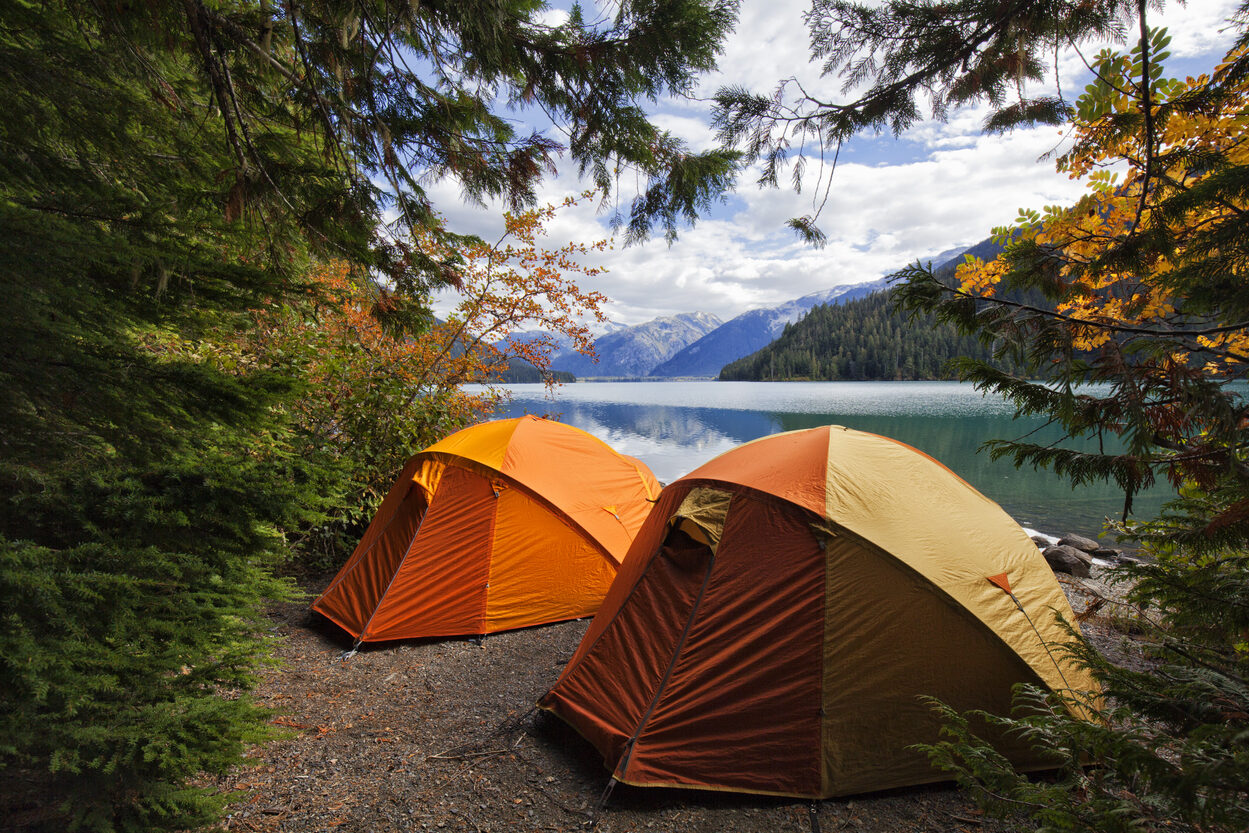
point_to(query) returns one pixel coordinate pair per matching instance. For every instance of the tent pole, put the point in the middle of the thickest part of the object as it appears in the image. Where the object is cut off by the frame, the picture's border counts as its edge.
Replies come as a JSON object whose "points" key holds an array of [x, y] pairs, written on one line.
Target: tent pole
{"points": [[354, 562], [623, 764], [398, 568]]}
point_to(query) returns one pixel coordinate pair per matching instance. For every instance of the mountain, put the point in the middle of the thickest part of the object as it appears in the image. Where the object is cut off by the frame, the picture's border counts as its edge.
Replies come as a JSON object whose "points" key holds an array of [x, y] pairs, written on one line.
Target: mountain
{"points": [[954, 255], [865, 340], [563, 344], [635, 351], [858, 341], [985, 250], [698, 344], [753, 330]]}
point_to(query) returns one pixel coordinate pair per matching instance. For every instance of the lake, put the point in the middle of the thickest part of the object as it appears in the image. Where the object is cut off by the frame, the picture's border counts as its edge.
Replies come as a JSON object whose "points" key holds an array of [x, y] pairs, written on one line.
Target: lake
{"points": [[676, 426]]}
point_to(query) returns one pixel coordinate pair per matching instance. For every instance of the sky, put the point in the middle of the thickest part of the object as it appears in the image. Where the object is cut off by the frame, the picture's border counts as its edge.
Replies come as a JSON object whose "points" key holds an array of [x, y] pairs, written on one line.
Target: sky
{"points": [[892, 201]]}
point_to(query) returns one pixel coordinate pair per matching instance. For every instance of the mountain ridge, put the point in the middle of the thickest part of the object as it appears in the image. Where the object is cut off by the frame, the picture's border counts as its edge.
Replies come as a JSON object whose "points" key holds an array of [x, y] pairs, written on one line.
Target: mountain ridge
{"points": [[686, 345], [636, 350], [753, 330], [866, 340]]}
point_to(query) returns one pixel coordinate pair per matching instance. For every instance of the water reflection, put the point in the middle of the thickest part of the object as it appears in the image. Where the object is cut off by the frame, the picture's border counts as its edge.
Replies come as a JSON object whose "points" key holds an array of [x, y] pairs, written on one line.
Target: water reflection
{"points": [[676, 427], [672, 440]]}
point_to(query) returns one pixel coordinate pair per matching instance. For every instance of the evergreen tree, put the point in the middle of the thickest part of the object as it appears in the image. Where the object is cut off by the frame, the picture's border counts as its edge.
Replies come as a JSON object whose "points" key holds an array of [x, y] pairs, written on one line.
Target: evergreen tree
{"points": [[1146, 295], [165, 168], [887, 345]]}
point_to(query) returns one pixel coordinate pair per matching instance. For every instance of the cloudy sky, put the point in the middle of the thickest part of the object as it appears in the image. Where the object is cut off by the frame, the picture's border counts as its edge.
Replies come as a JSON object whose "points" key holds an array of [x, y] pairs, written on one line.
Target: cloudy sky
{"points": [[891, 201]]}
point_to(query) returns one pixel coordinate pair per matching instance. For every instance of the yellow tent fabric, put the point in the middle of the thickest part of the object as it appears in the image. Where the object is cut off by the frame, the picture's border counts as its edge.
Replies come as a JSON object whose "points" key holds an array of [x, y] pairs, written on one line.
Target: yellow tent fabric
{"points": [[784, 643]]}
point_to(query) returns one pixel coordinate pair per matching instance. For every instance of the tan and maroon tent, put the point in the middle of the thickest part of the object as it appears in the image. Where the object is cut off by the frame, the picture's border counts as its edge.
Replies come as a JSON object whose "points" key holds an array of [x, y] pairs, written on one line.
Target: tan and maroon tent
{"points": [[786, 607], [503, 525]]}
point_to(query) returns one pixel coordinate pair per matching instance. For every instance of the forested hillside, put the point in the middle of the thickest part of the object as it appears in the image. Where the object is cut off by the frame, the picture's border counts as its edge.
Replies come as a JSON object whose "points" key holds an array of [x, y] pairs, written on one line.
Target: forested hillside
{"points": [[859, 340], [752, 330], [519, 371]]}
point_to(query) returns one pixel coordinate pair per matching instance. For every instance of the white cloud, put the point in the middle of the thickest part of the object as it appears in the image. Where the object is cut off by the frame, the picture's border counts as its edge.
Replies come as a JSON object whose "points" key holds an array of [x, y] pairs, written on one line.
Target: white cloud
{"points": [[552, 17], [1197, 27], [769, 44], [695, 129], [891, 201]]}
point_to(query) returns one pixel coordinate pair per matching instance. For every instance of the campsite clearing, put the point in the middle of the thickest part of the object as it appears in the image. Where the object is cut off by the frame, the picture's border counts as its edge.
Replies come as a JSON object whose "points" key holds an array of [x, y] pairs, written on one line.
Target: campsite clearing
{"points": [[440, 735]]}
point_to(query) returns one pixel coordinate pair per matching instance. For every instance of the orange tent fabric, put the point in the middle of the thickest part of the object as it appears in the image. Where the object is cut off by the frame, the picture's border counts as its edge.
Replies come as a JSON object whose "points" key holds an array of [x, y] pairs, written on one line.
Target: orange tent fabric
{"points": [[787, 606], [507, 524]]}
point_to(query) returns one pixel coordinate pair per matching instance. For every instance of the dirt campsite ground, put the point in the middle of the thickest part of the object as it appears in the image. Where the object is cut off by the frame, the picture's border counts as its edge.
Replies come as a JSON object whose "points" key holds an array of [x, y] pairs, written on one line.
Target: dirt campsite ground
{"points": [[441, 736]]}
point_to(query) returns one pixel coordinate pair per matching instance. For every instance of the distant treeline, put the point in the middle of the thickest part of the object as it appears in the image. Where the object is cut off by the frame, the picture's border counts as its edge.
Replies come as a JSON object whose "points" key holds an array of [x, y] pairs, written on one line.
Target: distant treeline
{"points": [[520, 371], [861, 340]]}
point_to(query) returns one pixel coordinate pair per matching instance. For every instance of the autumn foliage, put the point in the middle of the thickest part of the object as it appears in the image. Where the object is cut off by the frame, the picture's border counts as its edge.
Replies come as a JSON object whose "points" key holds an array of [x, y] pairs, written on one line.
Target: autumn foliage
{"points": [[1105, 296], [382, 377], [1146, 279], [1142, 345]]}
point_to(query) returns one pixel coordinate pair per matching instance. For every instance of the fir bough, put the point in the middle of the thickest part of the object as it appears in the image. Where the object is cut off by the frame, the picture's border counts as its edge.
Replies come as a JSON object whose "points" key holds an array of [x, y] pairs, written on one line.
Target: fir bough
{"points": [[1134, 331], [1168, 751], [167, 169]]}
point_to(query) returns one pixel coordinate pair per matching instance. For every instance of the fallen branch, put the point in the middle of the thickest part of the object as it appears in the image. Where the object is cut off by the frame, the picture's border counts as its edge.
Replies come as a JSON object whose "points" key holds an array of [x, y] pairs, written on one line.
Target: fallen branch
{"points": [[1091, 608]]}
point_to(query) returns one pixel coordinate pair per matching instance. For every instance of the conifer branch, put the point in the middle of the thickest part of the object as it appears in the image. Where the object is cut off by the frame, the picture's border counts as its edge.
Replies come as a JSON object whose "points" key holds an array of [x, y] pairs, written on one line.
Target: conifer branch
{"points": [[212, 68], [1119, 328]]}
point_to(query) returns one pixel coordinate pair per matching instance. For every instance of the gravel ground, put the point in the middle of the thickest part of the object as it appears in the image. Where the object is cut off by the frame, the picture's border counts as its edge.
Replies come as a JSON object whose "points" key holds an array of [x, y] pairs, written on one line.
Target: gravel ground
{"points": [[441, 735]]}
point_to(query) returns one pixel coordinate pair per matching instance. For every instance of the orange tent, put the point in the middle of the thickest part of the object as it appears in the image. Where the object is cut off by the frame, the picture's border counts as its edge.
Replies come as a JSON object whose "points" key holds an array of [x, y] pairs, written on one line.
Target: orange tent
{"points": [[787, 606], [506, 524]]}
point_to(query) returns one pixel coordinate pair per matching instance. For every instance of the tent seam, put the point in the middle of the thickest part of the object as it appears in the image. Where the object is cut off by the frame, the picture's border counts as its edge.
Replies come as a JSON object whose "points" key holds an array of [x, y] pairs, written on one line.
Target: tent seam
{"points": [[485, 595], [356, 562], [478, 467], [826, 777], [381, 600], [960, 608], [570, 669], [964, 611]]}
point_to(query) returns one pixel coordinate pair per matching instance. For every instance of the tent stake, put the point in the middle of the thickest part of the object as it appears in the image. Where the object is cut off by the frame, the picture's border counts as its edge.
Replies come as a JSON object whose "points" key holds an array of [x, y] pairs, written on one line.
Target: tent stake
{"points": [[602, 802]]}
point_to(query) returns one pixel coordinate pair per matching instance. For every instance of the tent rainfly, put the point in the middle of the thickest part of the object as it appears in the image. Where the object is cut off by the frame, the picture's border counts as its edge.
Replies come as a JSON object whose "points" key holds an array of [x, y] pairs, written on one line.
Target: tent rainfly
{"points": [[503, 525], [787, 607]]}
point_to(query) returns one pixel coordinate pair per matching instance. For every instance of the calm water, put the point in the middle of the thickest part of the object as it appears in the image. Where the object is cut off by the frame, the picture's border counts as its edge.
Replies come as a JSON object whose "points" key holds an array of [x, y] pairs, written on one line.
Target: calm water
{"points": [[676, 426]]}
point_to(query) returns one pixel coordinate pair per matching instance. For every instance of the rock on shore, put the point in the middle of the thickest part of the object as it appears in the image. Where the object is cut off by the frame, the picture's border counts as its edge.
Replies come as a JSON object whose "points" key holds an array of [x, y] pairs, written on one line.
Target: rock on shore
{"points": [[1064, 558], [1075, 554]]}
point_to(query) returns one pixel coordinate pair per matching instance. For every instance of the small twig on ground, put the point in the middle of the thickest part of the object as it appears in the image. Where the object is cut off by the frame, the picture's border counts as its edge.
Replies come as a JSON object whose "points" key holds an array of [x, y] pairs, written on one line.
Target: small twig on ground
{"points": [[963, 819], [1092, 608], [463, 768], [561, 805], [443, 756], [471, 821]]}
